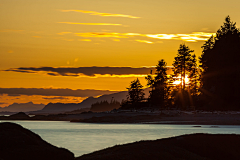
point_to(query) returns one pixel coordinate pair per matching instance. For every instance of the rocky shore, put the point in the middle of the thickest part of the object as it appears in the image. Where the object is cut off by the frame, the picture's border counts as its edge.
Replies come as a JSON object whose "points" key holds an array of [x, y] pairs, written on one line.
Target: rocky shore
{"points": [[18, 143]]}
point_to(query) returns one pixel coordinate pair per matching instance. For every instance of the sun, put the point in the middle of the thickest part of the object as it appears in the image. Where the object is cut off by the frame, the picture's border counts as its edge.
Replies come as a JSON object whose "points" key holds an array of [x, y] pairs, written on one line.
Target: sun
{"points": [[178, 81]]}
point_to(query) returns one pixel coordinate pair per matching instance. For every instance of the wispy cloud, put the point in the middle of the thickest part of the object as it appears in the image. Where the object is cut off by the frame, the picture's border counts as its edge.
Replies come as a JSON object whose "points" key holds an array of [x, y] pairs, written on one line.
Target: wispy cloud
{"points": [[93, 24], [193, 37], [101, 14], [105, 34], [92, 72], [95, 35], [51, 98], [144, 41]]}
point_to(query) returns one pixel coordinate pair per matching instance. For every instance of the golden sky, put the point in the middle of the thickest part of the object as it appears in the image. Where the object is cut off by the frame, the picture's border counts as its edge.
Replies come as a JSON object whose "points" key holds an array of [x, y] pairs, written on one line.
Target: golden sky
{"points": [[97, 45]]}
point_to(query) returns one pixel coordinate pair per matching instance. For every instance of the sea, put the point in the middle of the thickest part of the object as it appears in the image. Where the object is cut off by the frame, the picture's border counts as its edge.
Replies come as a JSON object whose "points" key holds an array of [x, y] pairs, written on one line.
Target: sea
{"points": [[83, 138]]}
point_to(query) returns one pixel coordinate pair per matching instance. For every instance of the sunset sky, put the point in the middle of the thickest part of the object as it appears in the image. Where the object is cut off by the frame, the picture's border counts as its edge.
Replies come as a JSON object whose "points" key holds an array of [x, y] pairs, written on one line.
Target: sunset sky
{"points": [[68, 50]]}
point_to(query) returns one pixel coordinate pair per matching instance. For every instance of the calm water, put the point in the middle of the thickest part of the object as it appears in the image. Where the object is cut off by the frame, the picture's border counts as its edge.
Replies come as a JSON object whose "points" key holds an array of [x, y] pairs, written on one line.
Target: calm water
{"points": [[82, 138]]}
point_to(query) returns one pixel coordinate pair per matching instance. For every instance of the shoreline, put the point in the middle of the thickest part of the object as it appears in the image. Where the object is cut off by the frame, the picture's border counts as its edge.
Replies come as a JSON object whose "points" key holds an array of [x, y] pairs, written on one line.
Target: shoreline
{"points": [[195, 119], [137, 118]]}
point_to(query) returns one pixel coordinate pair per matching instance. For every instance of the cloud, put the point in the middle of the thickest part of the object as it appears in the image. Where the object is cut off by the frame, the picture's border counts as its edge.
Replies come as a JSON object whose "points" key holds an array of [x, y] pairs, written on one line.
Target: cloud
{"points": [[94, 24], [53, 98], [14, 95], [52, 74], [87, 71], [54, 92], [104, 34], [144, 41], [101, 14], [193, 37]]}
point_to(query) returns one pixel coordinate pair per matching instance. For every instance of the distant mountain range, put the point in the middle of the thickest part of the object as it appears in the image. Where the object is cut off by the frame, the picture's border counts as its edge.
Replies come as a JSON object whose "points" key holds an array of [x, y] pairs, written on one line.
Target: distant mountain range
{"points": [[22, 107], [65, 107]]}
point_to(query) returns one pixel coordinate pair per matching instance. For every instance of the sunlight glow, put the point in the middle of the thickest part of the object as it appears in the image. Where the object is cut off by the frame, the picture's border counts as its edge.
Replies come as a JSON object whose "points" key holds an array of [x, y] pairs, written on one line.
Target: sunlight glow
{"points": [[178, 81]]}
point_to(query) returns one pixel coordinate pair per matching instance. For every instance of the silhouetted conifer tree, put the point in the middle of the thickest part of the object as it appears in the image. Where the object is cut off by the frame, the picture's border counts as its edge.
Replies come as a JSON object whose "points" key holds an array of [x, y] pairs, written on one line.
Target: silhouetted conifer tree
{"points": [[221, 68], [194, 79], [181, 65], [135, 92], [185, 67], [160, 91]]}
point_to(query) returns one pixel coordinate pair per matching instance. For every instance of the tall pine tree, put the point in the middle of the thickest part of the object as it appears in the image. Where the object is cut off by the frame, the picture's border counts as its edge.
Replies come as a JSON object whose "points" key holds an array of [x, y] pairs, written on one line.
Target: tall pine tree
{"points": [[194, 79], [159, 84], [181, 65], [221, 68], [135, 92]]}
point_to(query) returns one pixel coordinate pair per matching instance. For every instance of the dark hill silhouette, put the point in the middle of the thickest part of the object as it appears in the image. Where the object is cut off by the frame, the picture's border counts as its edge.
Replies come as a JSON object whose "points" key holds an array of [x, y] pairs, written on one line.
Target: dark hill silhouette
{"points": [[22, 107], [66, 107], [20, 115], [220, 60], [16, 116], [187, 147], [18, 143]]}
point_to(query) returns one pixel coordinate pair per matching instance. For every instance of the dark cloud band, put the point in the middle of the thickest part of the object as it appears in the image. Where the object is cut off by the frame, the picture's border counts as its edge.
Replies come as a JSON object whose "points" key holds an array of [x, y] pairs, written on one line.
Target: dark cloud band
{"points": [[87, 71], [54, 92]]}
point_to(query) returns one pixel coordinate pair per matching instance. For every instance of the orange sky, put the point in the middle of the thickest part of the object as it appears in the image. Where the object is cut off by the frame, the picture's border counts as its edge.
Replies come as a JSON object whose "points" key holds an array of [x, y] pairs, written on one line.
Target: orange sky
{"points": [[63, 34]]}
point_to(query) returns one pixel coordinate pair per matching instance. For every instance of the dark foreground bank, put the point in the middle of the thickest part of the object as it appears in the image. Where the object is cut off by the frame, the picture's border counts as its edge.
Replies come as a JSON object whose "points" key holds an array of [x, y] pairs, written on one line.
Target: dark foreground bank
{"points": [[18, 143], [186, 147]]}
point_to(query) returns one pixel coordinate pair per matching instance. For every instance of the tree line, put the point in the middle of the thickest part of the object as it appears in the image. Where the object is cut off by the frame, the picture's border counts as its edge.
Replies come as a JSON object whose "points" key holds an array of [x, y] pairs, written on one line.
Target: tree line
{"points": [[211, 85], [105, 106]]}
